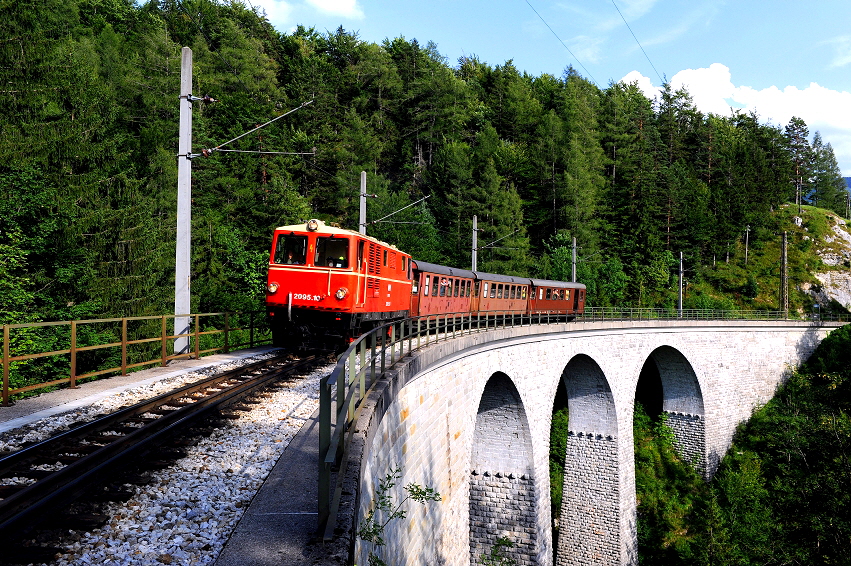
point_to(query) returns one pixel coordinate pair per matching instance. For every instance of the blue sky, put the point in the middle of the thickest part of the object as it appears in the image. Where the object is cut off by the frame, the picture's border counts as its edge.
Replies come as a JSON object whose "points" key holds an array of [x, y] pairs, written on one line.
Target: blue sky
{"points": [[779, 57]]}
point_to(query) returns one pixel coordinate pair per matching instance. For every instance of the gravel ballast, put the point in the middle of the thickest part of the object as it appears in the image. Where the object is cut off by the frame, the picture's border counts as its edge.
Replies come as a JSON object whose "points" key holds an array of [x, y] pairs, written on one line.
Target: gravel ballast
{"points": [[187, 511]]}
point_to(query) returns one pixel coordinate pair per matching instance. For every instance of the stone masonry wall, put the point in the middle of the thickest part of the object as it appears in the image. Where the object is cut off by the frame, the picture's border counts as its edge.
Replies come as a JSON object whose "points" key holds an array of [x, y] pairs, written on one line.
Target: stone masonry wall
{"points": [[589, 529], [689, 438], [503, 506], [427, 421]]}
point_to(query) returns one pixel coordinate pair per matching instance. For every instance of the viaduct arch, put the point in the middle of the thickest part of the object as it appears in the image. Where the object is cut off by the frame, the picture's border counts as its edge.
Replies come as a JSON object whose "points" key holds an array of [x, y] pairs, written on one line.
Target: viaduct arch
{"points": [[471, 418]]}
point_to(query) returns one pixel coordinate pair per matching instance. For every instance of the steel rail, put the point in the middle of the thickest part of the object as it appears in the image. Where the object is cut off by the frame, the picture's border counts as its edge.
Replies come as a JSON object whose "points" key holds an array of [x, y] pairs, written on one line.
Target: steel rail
{"points": [[24, 509]]}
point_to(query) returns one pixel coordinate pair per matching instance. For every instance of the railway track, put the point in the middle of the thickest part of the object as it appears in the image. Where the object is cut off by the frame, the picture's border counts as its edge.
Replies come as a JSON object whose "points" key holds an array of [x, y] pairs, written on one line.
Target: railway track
{"points": [[40, 481]]}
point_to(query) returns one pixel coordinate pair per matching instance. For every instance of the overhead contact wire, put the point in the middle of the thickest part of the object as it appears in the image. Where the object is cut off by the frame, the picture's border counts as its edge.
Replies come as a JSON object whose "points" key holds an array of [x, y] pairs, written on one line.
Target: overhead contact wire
{"points": [[638, 42], [563, 44]]}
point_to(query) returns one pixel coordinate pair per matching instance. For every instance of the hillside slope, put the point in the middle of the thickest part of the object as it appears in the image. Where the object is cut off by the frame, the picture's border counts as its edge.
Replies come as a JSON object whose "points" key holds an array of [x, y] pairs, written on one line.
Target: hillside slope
{"points": [[819, 267]]}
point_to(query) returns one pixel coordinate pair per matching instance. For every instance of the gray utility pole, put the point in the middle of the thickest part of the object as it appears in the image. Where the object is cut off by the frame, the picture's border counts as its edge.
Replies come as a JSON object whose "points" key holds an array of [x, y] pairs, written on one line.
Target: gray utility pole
{"points": [[680, 298], [784, 286], [184, 209], [747, 233], [573, 269], [475, 242], [362, 221]]}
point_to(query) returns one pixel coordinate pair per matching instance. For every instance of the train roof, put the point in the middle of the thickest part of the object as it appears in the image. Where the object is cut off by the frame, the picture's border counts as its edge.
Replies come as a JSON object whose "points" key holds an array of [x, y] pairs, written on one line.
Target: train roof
{"points": [[456, 272], [442, 269], [482, 276], [559, 284], [323, 228]]}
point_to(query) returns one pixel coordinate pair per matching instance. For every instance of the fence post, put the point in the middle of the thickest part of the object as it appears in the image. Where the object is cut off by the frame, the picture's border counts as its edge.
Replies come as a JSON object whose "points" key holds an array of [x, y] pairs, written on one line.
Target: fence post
{"points": [[123, 346], [6, 364], [73, 383], [350, 383], [383, 350], [197, 341], [251, 329], [324, 443], [164, 351], [227, 319], [372, 344]]}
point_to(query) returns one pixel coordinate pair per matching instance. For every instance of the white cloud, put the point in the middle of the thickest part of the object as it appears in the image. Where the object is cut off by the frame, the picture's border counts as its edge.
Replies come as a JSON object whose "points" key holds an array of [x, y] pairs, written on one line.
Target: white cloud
{"points": [[644, 84], [277, 11], [842, 48], [586, 49], [345, 8], [712, 89]]}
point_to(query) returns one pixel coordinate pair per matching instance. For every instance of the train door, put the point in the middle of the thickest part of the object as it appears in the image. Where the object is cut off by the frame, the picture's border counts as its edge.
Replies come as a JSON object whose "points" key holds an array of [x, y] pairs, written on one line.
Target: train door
{"points": [[361, 285], [416, 285]]}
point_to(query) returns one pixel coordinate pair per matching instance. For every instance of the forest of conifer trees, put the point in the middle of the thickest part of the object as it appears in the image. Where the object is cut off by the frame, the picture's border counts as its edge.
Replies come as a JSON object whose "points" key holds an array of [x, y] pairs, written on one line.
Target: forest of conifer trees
{"points": [[88, 138]]}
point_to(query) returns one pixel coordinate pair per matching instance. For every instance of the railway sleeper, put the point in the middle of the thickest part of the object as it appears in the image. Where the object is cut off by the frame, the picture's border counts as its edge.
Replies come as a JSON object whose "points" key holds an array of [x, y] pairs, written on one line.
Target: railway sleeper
{"points": [[9, 490], [19, 554], [112, 494], [75, 521]]}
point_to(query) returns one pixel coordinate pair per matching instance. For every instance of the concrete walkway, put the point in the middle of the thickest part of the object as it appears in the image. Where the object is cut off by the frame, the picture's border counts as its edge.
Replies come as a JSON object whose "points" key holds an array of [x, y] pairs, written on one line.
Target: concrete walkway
{"points": [[279, 527]]}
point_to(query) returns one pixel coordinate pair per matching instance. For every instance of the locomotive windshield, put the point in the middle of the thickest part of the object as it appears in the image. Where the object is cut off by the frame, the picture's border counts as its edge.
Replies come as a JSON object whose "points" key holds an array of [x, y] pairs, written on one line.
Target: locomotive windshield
{"points": [[332, 252], [290, 249]]}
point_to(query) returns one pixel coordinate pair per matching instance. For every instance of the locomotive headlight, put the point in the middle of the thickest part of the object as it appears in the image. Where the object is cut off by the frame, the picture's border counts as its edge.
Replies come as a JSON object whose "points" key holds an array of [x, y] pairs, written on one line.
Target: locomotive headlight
{"points": [[272, 287], [341, 293]]}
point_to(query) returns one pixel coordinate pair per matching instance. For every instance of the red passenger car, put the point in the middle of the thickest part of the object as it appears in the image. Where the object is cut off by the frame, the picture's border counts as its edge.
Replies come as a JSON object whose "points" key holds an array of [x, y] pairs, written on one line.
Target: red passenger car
{"points": [[556, 297], [328, 284], [440, 290], [500, 293]]}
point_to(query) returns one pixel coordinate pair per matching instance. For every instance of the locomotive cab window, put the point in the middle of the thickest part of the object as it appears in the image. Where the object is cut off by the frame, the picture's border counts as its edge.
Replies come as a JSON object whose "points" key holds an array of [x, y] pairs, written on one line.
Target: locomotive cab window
{"points": [[332, 252], [290, 249]]}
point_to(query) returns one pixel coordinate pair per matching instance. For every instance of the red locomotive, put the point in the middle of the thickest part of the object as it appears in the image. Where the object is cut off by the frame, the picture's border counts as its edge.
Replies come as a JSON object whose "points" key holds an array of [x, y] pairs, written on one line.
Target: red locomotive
{"points": [[328, 285]]}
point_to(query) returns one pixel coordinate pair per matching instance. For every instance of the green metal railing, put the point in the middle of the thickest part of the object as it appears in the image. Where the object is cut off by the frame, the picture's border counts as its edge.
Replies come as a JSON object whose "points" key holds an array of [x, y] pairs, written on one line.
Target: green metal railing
{"points": [[368, 357], [89, 348]]}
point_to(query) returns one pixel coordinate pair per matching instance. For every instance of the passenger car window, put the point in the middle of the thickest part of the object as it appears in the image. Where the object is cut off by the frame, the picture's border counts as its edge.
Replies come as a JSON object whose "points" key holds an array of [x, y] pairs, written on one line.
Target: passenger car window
{"points": [[290, 249], [457, 288], [425, 287], [549, 294]]}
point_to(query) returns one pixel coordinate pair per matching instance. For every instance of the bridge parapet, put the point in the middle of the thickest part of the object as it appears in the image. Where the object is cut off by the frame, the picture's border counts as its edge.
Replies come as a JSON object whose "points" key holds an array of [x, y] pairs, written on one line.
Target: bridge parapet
{"points": [[423, 417]]}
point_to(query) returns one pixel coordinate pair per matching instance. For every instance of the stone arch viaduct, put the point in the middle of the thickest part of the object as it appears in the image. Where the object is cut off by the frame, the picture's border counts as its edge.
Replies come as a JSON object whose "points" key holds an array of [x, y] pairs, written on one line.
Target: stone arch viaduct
{"points": [[471, 418]]}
